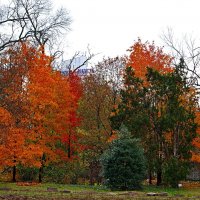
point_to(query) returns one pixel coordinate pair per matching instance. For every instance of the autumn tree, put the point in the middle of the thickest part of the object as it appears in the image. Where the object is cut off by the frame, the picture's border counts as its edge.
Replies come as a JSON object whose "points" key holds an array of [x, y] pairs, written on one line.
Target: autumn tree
{"points": [[100, 93], [144, 55], [162, 115], [146, 108], [111, 70], [69, 105], [6, 120], [43, 107], [132, 111], [95, 108], [187, 49], [54, 100], [41, 95], [15, 149], [196, 141], [173, 116]]}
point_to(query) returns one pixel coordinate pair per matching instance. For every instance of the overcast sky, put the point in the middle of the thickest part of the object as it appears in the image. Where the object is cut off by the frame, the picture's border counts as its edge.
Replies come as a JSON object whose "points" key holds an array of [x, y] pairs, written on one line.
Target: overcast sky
{"points": [[111, 26]]}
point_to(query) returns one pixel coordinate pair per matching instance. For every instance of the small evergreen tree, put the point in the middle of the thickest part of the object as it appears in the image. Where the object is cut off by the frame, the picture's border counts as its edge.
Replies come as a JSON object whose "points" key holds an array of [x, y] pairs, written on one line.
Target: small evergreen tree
{"points": [[123, 163]]}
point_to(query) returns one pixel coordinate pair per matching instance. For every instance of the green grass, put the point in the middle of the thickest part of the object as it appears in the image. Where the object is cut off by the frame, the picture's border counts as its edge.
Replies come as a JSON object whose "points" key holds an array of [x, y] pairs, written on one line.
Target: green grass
{"points": [[60, 187], [40, 191], [87, 192], [173, 191]]}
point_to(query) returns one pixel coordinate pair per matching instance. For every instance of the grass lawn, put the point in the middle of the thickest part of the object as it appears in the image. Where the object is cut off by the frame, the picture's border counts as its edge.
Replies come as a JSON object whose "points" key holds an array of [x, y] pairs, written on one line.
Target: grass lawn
{"points": [[47, 191]]}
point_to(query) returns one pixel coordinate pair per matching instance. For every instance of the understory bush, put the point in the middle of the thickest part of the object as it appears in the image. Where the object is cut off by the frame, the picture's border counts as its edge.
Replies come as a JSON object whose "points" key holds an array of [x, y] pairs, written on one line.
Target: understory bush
{"points": [[69, 172], [27, 173], [174, 171]]}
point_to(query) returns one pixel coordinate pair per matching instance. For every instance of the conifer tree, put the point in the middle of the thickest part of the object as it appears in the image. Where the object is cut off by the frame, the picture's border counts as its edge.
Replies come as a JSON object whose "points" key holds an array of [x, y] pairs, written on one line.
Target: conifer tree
{"points": [[124, 163], [161, 113]]}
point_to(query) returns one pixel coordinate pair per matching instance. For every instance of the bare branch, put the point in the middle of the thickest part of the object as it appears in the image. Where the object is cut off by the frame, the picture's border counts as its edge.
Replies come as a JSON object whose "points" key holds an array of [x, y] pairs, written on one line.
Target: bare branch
{"points": [[33, 20], [188, 50]]}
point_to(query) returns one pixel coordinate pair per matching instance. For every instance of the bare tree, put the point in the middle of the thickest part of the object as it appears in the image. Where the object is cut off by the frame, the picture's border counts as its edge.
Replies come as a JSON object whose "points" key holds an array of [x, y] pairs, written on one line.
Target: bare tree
{"points": [[33, 20], [111, 70], [77, 61], [188, 50], [88, 56]]}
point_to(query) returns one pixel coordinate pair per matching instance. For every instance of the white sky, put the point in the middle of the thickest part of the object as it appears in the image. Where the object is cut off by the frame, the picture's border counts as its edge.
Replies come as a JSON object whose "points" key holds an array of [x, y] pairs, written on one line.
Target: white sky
{"points": [[111, 26]]}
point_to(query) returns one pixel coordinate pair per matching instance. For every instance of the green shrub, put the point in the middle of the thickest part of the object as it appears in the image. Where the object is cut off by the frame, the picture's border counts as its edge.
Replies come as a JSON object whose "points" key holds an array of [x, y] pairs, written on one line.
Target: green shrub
{"points": [[68, 172], [123, 163], [27, 173], [174, 171], [54, 173]]}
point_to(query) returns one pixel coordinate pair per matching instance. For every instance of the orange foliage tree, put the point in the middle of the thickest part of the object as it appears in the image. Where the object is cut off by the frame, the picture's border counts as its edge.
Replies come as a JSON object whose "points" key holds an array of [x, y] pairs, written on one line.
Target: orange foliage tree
{"points": [[14, 148], [41, 104], [144, 55]]}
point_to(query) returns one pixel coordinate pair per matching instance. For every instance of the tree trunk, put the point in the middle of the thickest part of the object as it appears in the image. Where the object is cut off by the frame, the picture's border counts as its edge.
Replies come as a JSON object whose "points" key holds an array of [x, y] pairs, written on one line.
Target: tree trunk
{"points": [[159, 177], [40, 174], [91, 167], [69, 147], [14, 174], [150, 177]]}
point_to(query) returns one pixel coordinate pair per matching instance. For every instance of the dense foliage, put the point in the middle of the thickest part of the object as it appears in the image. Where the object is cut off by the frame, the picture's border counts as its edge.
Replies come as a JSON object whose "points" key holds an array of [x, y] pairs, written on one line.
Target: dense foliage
{"points": [[161, 112], [39, 109], [56, 127], [124, 163]]}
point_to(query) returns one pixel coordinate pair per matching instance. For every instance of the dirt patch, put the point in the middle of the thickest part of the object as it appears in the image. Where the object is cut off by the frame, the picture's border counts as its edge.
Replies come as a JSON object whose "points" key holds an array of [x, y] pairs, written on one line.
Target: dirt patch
{"points": [[27, 183]]}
